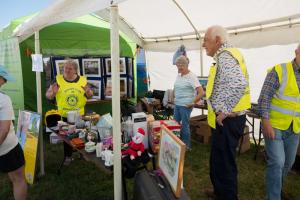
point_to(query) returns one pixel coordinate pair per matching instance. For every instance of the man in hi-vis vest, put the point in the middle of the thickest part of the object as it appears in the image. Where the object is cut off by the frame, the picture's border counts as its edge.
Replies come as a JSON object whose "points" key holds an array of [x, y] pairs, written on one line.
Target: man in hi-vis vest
{"points": [[228, 98], [279, 108]]}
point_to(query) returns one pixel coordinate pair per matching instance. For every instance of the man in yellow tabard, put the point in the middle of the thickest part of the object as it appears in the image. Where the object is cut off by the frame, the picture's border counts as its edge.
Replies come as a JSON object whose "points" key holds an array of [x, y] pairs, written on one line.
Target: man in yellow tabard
{"points": [[279, 108], [228, 96]]}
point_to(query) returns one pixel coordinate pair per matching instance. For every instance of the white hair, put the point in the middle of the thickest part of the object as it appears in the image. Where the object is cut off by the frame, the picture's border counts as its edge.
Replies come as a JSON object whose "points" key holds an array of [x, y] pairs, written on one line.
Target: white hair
{"points": [[220, 31], [182, 60], [73, 63]]}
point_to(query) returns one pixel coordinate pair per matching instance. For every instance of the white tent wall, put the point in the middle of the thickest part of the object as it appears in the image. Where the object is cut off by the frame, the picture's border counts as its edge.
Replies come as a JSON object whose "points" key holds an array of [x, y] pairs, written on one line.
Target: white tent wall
{"points": [[163, 73]]}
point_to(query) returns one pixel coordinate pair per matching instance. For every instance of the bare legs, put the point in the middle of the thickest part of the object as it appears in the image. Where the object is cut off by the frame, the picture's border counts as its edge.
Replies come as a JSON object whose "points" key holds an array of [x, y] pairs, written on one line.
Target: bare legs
{"points": [[17, 178]]}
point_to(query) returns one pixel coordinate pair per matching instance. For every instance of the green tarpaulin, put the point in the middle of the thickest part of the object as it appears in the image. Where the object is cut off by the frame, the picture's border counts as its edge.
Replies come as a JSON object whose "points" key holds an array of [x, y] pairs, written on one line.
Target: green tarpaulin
{"points": [[84, 36]]}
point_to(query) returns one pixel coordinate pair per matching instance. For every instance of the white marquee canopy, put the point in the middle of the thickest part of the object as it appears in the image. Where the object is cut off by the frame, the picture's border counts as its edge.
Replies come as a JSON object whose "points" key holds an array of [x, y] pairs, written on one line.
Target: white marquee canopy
{"points": [[161, 25]]}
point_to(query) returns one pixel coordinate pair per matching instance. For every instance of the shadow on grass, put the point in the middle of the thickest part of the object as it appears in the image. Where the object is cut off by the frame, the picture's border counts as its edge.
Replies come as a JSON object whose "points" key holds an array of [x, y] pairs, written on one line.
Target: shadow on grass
{"points": [[84, 181]]}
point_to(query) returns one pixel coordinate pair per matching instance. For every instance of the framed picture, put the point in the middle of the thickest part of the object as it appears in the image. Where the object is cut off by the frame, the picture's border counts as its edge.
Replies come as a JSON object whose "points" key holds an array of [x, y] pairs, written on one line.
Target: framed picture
{"points": [[108, 87], [171, 159], [28, 130], [130, 93], [91, 67], [203, 80], [130, 66], [108, 66], [96, 87], [60, 66]]}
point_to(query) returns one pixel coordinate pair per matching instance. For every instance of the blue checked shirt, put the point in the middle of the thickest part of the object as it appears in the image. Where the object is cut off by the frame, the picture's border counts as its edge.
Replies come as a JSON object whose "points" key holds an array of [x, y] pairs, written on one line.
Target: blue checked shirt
{"points": [[270, 86]]}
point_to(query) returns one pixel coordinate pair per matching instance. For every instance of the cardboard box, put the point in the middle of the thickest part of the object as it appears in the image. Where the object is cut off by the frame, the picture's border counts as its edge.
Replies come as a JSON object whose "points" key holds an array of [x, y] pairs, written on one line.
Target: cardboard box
{"points": [[194, 121], [202, 132], [54, 138]]}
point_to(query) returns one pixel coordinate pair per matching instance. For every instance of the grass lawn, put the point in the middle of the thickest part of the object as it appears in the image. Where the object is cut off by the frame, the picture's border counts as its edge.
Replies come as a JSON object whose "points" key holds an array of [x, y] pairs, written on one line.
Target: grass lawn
{"points": [[83, 181]]}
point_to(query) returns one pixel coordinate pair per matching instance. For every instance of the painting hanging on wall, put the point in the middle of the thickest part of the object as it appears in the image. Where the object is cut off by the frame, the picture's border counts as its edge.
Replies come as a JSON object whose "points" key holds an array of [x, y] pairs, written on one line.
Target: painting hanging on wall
{"points": [[96, 87], [108, 87], [108, 66], [130, 66], [91, 67]]}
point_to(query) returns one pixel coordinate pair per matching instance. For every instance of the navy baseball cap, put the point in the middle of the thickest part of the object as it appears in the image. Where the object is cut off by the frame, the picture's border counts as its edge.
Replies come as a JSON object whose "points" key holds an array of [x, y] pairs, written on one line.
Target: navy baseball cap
{"points": [[7, 76]]}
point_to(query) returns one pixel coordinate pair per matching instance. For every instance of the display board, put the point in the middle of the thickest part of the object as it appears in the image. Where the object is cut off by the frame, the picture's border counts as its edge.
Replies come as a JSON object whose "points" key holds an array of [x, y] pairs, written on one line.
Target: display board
{"points": [[98, 73], [28, 135]]}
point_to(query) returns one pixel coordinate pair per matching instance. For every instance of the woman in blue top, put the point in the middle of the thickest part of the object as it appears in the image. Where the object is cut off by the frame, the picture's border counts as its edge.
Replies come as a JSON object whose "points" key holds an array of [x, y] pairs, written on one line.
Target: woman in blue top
{"points": [[187, 92]]}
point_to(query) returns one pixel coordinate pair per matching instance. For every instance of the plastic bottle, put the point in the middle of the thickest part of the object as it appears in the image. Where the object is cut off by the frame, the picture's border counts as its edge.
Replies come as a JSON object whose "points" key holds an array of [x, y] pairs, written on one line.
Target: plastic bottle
{"points": [[98, 146]]}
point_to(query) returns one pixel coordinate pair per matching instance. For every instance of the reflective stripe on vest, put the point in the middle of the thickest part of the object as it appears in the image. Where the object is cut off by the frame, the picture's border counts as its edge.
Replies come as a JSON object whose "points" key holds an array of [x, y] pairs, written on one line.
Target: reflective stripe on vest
{"points": [[285, 104], [244, 102]]}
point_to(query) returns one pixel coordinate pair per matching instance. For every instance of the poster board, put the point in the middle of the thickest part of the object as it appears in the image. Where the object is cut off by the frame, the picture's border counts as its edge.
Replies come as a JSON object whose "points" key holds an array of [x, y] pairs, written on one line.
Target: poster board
{"points": [[28, 134], [171, 159]]}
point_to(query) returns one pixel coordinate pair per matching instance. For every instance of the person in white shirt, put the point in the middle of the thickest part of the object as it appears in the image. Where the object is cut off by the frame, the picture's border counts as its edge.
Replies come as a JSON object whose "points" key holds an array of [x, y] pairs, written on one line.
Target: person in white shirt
{"points": [[11, 154], [187, 92]]}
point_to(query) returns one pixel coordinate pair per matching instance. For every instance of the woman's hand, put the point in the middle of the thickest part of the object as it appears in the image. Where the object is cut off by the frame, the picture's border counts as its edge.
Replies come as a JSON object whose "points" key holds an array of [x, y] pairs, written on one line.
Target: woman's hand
{"points": [[52, 91], [88, 91]]}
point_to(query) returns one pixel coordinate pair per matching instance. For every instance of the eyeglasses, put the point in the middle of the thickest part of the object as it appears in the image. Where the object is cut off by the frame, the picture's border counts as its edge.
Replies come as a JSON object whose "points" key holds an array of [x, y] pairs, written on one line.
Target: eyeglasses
{"points": [[180, 65]]}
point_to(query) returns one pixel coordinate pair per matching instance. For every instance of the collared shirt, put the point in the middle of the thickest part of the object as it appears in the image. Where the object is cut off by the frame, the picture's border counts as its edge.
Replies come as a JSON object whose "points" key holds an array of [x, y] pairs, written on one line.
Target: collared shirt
{"points": [[270, 86], [230, 82]]}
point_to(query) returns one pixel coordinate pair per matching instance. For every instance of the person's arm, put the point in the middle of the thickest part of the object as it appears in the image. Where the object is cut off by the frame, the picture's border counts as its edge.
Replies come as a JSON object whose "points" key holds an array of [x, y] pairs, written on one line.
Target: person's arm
{"points": [[271, 84], [88, 91], [200, 94], [4, 129], [52, 90], [6, 117]]}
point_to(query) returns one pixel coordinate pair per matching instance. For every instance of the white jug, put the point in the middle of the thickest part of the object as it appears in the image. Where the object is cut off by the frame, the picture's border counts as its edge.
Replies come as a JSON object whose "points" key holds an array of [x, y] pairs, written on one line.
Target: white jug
{"points": [[72, 116]]}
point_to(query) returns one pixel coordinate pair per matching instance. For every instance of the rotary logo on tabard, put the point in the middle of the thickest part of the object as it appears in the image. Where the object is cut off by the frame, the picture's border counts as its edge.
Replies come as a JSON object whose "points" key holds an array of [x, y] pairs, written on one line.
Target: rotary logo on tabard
{"points": [[72, 100]]}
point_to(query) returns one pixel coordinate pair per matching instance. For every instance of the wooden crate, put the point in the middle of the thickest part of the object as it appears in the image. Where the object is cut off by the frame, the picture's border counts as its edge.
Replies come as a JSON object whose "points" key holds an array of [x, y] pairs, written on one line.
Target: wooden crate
{"points": [[201, 132]]}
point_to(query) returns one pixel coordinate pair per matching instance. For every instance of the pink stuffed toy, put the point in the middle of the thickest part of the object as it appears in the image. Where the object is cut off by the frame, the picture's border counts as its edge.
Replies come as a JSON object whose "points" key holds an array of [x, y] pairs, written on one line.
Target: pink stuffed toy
{"points": [[136, 146]]}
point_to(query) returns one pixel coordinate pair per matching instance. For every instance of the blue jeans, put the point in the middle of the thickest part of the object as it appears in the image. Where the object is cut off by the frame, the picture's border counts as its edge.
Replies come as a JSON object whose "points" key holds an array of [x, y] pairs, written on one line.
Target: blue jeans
{"points": [[281, 153], [182, 115]]}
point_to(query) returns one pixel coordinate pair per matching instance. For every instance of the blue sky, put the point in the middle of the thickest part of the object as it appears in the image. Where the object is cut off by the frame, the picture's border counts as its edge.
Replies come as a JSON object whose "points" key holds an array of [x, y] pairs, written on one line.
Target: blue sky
{"points": [[11, 9]]}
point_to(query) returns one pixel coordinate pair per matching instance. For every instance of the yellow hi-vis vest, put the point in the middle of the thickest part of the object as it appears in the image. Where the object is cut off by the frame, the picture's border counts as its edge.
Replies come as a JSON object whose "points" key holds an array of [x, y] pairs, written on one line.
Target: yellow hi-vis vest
{"points": [[244, 102], [70, 96], [285, 104]]}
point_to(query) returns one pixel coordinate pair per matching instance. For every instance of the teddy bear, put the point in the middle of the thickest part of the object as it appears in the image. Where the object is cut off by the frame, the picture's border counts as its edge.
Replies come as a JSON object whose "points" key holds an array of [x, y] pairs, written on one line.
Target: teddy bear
{"points": [[135, 147]]}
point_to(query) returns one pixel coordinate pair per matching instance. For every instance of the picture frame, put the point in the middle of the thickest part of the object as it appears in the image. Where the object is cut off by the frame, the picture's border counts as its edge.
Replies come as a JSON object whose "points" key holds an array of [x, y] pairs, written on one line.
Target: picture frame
{"points": [[91, 67], [108, 66], [123, 86], [108, 87], [130, 92], [130, 66], [203, 80], [59, 66], [171, 159], [28, 131], [96, 87]]}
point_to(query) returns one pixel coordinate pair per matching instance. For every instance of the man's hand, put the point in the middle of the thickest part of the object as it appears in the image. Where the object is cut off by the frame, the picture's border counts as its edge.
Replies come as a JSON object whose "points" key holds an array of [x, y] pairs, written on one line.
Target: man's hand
{"points": [[220, 117], [267, 129]]}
